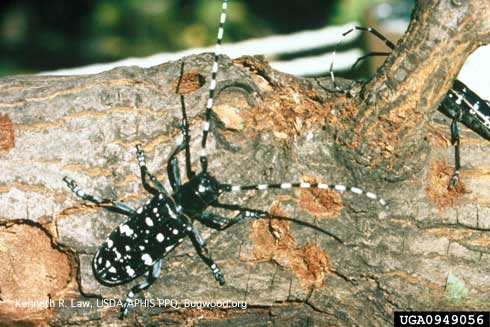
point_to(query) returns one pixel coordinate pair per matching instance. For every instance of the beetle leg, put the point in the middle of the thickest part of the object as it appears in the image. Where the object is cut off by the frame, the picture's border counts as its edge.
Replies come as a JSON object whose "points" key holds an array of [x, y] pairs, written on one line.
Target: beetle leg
{"points": [[140, 156], [174, 174], [203, 252], [108, 204], [221, 223], [152, 277], [457, 156], [173, 164]]}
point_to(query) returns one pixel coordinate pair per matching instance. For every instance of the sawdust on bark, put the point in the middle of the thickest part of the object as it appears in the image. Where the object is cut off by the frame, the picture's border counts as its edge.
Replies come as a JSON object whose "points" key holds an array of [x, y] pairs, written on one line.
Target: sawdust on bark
{"points": [[272, 240], [190, 82], [437, 185], [319, 202], [287, 109], [6, 133]]}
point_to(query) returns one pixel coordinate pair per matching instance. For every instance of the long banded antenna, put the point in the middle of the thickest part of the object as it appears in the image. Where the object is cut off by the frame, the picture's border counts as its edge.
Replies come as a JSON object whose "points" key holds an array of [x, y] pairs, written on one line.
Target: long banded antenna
{"points": [[283, 186], [371, 30], [212, 87]]}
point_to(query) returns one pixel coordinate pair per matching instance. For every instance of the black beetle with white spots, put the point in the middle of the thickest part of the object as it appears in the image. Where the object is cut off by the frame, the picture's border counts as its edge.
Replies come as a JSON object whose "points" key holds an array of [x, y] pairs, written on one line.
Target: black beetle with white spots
{"points": [[138, 245], [460, 104]]}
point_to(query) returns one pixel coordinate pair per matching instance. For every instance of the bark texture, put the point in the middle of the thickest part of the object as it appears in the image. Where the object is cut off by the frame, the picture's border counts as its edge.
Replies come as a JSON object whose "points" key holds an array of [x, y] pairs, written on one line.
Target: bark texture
{"points": [[429, 250]]}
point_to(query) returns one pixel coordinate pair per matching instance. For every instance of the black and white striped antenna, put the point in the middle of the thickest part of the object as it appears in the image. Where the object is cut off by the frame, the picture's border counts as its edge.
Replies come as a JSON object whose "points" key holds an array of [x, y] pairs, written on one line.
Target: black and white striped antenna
{"points": [[212, 88], [283, 186], [206, 125]]}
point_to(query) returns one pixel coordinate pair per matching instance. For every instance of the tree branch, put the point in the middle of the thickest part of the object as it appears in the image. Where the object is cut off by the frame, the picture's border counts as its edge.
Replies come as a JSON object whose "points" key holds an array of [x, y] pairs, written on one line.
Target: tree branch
{"points": [[387, 135], [429, 250]]}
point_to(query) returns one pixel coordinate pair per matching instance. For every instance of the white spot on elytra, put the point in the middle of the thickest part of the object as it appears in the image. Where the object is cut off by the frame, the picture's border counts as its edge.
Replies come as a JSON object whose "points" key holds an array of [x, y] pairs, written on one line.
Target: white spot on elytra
{"points": [[168, 248], [147, 259], [160, 237], [148, 221], [125, 229], [175, 231], [112, 270], [140, 210], [118, 255], [130, 271], [459, 99], [110, 243]]}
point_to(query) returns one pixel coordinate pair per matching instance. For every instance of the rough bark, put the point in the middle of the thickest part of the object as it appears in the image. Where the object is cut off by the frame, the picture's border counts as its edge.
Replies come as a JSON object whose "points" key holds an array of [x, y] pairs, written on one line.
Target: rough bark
{"points": [[429, 250]]}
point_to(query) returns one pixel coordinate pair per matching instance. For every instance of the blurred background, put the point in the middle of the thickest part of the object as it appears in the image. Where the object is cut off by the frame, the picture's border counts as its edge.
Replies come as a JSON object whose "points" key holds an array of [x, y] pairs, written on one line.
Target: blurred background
{"points": [[40, 36], [297, 36]]}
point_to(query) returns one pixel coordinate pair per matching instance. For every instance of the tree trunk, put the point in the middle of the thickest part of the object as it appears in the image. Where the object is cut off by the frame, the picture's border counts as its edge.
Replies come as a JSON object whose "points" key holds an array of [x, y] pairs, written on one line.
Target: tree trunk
{"points": [[429, 250]]}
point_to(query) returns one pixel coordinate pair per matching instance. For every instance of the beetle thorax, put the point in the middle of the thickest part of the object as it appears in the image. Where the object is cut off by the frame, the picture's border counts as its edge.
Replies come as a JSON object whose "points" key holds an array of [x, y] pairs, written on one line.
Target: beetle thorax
{"points": [[198, 193]]}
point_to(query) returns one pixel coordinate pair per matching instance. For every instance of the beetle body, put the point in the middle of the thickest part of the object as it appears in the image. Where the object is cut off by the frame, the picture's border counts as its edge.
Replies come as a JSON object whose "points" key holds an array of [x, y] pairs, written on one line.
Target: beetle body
{"points": [[136, 244], [152, 231]]}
